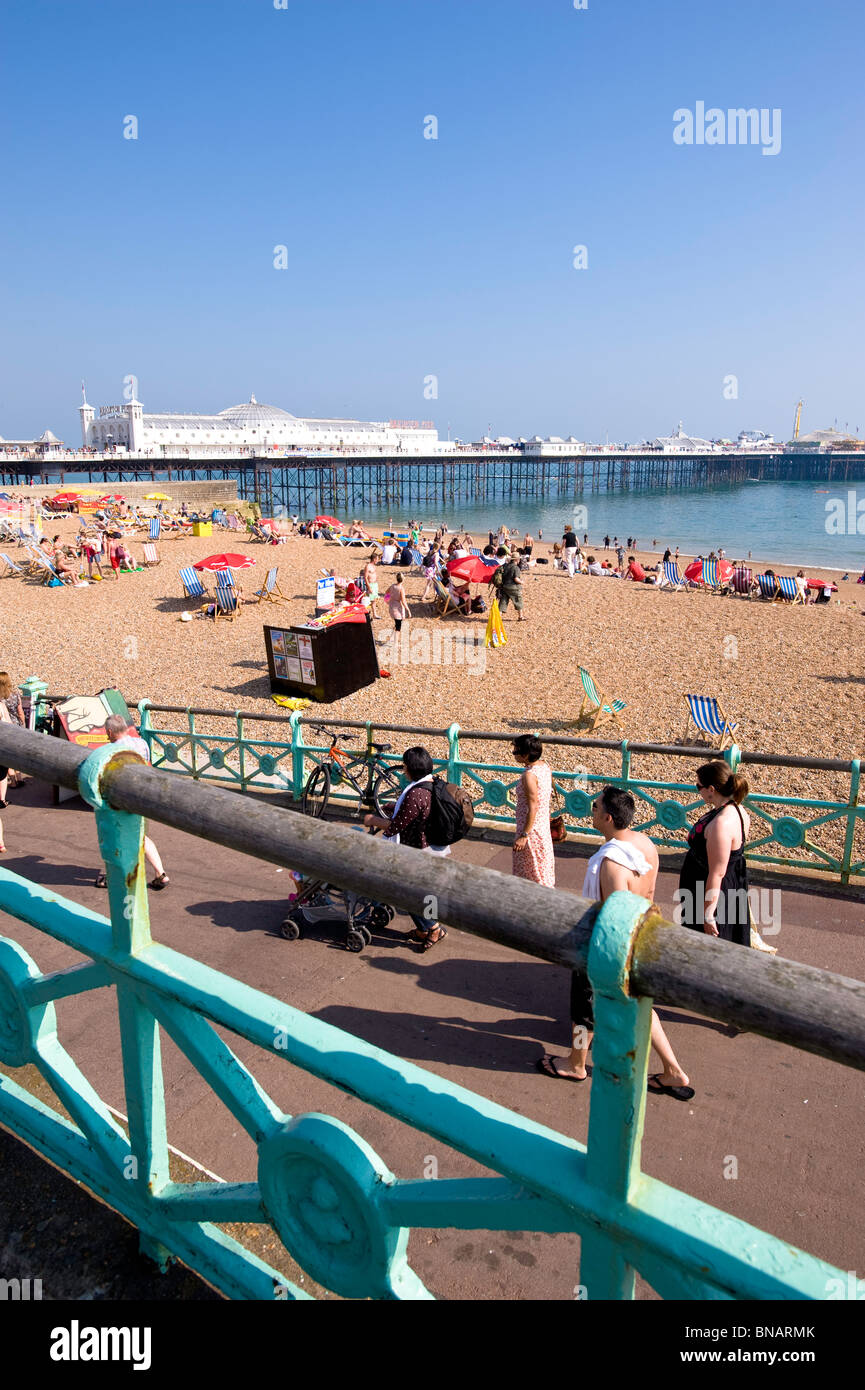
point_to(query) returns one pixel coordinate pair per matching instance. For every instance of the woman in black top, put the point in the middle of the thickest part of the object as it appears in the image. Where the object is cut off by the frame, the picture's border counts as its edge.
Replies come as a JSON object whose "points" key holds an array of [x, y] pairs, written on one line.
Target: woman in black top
{"points": [[713, 885]]}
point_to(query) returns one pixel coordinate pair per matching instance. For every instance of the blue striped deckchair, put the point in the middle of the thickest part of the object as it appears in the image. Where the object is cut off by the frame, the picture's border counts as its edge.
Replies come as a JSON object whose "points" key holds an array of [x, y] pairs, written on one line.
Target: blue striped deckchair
{"points": [[11, 567], [474, 551], [598, 710], [417, 559], [49, 572], [768, 585], [671, 578], [193, 585], [155, 528], [788, 589], [227, 599], [710, 719], [270, 591]]}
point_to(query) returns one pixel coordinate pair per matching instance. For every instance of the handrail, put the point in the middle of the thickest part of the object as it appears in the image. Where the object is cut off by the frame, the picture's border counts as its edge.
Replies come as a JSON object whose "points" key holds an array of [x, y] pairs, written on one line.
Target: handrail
{"points": [[812, 1009]]}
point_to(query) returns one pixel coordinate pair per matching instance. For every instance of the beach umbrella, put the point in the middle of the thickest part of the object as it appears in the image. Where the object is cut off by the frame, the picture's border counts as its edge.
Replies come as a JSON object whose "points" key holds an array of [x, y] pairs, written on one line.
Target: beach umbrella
{"points": [[65, 497], [113, 497], [156, 497], [225, 562], [328, 521], [471, 568]]}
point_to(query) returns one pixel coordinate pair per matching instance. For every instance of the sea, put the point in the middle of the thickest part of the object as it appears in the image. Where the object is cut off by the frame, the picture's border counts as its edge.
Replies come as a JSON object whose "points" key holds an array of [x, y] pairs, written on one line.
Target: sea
{"points": [[789, 523]]}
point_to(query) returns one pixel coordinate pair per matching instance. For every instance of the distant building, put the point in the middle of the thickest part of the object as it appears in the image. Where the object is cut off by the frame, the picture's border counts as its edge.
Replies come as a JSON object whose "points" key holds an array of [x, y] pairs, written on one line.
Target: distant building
{"points": [[748, 438], [681, 443], [819, 441], [44, 446], [261, 428]]}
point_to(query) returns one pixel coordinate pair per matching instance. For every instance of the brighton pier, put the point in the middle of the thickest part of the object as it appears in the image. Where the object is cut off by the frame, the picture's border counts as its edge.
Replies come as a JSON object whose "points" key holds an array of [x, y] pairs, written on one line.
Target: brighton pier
{"points": [[341, 481]]}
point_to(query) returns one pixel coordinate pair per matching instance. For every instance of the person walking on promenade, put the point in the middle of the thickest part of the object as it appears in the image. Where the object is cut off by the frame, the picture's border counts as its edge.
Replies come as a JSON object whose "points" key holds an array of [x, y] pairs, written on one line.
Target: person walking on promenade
{"points": [[713, 884], [533, 855], [125, 735], [407, 825], [626, 862]]}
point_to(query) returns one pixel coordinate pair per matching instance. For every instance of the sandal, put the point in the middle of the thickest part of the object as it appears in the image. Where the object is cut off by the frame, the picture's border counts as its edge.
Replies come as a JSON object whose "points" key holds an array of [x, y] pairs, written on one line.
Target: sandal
{"points": [[677, 1092], [432, 940], [100, 881], [161, 881], [547, 1066]]}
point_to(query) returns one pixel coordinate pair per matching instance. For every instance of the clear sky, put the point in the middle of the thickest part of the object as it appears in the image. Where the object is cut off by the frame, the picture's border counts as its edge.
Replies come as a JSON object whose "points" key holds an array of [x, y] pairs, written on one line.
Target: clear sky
{"points": [[409, 257]]}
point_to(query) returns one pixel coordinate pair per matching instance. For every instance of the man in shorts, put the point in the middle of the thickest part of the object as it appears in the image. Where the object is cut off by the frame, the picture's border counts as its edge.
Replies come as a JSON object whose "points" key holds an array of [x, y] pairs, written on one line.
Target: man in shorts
{"points": [[626, 862], [511, 588]]}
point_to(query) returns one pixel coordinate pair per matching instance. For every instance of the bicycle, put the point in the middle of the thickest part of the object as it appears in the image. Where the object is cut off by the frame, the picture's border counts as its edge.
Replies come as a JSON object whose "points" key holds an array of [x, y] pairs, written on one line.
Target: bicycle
{"points": [[382, 782]]}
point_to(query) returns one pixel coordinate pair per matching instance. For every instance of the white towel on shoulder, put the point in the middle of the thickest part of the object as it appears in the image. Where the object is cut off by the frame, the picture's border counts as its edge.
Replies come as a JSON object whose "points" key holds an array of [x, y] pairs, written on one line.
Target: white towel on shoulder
{"points": [[621, 852]]}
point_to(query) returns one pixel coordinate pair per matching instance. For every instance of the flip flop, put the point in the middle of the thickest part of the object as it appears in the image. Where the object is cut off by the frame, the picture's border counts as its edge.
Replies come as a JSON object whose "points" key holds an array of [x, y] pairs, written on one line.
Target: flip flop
{"points": [[546, 1065], [677, 1092]]}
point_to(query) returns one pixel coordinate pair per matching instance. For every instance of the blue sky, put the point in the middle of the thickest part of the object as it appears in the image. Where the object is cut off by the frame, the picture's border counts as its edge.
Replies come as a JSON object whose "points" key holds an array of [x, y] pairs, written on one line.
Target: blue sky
{"points": [[410, 257]]}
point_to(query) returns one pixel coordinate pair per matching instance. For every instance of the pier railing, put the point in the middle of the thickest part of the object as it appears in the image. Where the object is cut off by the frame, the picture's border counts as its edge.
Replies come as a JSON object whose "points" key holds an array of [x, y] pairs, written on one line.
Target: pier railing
{"points": [[825, 832], [340, 1213]]}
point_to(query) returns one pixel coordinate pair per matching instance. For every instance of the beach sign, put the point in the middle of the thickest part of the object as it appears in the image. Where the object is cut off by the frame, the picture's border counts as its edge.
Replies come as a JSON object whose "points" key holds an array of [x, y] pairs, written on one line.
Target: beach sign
{"points": [[325, 593]]}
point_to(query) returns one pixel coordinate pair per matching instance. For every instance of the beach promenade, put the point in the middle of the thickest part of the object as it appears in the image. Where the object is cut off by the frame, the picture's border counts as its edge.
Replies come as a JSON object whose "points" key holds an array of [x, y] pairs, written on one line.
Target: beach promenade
{"points": [[476, 1013]]}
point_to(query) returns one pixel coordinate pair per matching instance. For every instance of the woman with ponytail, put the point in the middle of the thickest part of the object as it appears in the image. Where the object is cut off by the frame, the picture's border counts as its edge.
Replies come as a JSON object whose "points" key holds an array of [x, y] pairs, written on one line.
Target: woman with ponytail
{"points": [[713, 885]]}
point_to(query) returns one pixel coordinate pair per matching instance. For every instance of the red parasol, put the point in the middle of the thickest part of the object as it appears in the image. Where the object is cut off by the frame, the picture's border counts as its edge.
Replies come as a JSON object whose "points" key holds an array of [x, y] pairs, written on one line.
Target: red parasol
{"points": [[225, 562], [470, 568], [694, 572], [64, 497], [328, 521], [112, 497]]}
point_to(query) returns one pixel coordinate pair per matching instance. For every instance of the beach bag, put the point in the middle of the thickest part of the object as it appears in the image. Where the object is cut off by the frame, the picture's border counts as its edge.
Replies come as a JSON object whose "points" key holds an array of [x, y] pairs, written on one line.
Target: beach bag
{"points": [[495, 634], [496, 578], [478, 605], [451, 813]]}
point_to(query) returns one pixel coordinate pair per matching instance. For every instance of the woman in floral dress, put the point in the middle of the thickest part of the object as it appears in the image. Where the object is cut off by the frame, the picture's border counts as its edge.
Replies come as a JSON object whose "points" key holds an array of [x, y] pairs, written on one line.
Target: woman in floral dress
{"points": [[533, 846]]}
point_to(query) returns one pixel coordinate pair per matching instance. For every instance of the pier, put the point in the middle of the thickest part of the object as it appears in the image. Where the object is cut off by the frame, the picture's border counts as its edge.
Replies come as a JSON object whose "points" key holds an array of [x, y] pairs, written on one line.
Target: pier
{"points": [[343, 482]]}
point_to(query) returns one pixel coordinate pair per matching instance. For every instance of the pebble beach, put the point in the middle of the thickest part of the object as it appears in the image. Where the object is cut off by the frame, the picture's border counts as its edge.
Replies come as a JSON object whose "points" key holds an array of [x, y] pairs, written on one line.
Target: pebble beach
{"points": [[791, 677]]}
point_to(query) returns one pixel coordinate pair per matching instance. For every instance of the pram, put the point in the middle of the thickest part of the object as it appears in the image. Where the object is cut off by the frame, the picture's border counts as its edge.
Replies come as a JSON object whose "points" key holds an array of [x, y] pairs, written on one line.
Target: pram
{"points": [[318, 901]]}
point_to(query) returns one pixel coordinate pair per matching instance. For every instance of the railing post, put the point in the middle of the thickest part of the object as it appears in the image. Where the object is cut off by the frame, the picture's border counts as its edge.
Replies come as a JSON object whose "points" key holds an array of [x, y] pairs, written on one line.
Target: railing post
{"points": [[852, 818], [620, 1053], [455, 774], [193, 742], [297, 764], [626, 764], [733, 756], [240, 750], [33, 688]]}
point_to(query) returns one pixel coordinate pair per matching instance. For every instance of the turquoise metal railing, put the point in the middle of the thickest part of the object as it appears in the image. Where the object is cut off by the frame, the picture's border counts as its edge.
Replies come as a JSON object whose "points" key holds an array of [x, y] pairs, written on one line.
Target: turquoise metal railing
{"points": [[337, 1209], [788, 822]]}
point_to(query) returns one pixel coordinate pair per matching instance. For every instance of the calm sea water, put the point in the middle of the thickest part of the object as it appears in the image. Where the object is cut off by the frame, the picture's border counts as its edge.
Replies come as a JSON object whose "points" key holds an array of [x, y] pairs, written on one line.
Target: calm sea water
{"points": [[781, 522]]}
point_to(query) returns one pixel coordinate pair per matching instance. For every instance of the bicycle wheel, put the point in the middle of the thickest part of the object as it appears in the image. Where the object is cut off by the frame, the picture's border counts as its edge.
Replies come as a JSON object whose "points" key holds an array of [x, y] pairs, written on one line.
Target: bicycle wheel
{"points": [[316, 792], [386, 788]]}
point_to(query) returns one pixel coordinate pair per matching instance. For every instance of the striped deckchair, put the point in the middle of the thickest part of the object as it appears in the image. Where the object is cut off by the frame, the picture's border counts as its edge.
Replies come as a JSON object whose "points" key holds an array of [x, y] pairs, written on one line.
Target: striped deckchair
{"points": [[788, 590], [444, 604], [710, 576], [594, 703], [270, 591], [709, 718], [671, 578], [743, 581], [49, 572], [767, 585], [151, 554], [11, 567], [155, 528], [417, 559], [193, 585], [227, 598]]}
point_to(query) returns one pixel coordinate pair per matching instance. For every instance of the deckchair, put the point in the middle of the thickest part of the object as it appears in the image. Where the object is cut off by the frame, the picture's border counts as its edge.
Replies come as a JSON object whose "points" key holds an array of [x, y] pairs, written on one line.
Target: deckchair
{"points": [[151, 555], [710, 577], [227, 597], [417, 559], [597, 710], [767, 585], [49, 572], [743, 581], [671, 578], [11, 567], [788, 590], [155, 528], [270, 591], [444, 604], [193, 585], [709, 718]]}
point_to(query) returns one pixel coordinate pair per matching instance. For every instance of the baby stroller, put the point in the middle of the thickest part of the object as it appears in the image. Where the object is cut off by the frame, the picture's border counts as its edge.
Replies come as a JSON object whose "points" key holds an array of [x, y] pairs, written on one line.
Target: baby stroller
{"points": [[318, 901]]}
